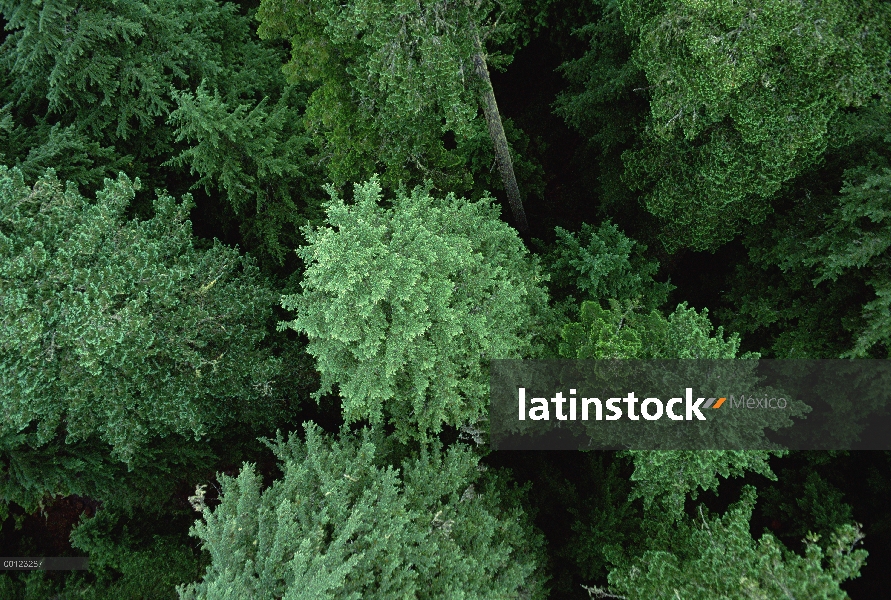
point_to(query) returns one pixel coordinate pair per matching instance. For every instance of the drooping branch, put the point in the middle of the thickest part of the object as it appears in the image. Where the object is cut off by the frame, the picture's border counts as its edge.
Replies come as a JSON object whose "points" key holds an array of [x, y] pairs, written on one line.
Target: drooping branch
{"points": [[499, 140]]}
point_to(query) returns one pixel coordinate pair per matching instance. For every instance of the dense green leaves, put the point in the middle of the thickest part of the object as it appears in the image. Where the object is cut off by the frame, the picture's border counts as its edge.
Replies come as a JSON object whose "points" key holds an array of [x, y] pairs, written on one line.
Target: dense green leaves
{"points": [[670, 477], [99, 87], [129, 558], [603, 263], [815, 282], [741, 97], [137, 359], [111, 65], [123, 329], [858, 236], [621, 332], [404, 306], [393, 80], [716, 557], [258, 155], [343, 523]]}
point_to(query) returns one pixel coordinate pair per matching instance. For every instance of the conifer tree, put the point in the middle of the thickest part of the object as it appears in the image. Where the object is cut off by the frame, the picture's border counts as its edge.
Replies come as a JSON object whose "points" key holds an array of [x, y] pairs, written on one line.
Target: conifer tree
{"points": [[107, 69], [404, 306], [258, 155], [829, 288], [604, 263], [342, 522], [118, 332], [668, 476], [741, 97], [815, 283], [136, 359], [675, 555], [715, 557], [622, 331], [101, 87], [394, 78]]}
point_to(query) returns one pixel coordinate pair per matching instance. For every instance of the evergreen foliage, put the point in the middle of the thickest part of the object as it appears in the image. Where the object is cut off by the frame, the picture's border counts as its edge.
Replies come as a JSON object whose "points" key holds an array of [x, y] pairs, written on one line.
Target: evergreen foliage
{"points": [[120, 329], [123, 564], [664, 479], [839, 265], [716, 557], [604, 100], [101, 87], [404, 306], [35, 472], [126, 566], [109, 68], [621, 332], [257, 154], [744, 143], [343, 523], [858, 235], [813, 286], [395, 78], [741, 97], [604, 263], [816, 505]]}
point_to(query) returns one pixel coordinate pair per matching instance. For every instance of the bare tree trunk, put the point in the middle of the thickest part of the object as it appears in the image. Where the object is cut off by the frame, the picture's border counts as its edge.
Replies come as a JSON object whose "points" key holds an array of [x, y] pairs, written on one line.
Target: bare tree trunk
{"points": [[496, 132]]}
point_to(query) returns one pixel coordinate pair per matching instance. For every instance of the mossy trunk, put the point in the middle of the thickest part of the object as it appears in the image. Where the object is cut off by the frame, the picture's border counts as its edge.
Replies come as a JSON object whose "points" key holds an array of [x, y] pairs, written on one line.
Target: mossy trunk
{"points": [[496, 132]]}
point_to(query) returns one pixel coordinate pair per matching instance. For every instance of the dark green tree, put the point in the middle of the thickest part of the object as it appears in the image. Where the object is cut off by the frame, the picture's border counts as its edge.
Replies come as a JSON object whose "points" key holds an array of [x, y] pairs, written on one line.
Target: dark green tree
{"points": [[394, 78], [741, 96], [605, 101], [700, 557], [121, 332], [257, 155], [601, 264], [100, 87], [131, 556], [816, 281], [624, 333], [105, 71]]}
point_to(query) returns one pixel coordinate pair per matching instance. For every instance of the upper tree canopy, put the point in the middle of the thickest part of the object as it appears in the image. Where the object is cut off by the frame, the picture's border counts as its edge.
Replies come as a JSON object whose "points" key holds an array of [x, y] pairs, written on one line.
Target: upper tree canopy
{"points": [[741, 99], [404, 306], [604, 264], [343, 523], [86, 87], [110, 66], [122, 329], [394, 77], [709, 557]]}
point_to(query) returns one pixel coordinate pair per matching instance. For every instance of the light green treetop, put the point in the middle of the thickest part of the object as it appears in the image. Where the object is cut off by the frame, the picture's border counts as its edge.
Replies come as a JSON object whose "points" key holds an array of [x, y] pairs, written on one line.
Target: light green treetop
{"points": [[342, 523], [404, 306], [668, 476], [716, 558], [623, 332]]}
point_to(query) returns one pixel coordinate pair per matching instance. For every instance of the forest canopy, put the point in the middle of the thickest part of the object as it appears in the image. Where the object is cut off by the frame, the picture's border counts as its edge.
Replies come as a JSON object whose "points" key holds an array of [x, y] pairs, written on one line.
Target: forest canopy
{"points": [[255, 258]]}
